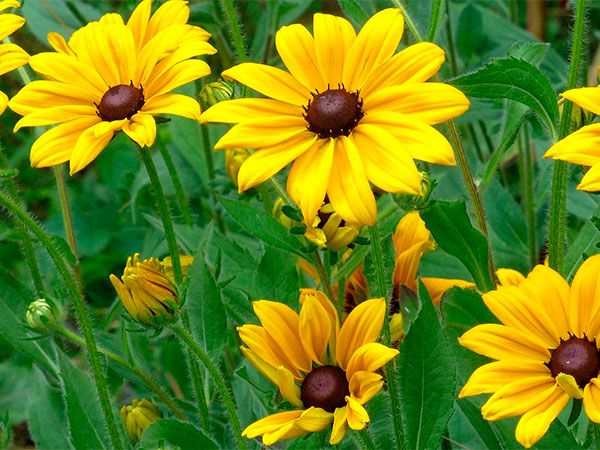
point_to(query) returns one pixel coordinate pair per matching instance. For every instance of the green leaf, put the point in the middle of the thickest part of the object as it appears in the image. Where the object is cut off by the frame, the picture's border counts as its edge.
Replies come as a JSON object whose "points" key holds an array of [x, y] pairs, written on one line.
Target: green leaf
{"points": [[371, 271], [427, 379], [203, 302], [84, 415], [168, 432], [452, 230], [468, 428], [582, 246], [262, 226], [532, 52], [558, 436], [355, 10], [516, 80]]}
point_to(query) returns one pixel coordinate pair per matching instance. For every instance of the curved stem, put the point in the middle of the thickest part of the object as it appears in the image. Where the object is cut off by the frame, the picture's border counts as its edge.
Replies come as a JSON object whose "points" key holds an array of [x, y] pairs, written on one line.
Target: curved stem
{"points": [[84, 320], [150, 383], [558, 196], [165, 216], [235, 29], [218, 379], [408, 21], [323, 276]]}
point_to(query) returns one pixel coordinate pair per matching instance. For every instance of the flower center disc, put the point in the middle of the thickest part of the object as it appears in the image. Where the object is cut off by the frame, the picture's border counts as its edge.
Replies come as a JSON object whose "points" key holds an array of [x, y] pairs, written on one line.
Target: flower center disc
{"points": [[578, 358], [120, 102], [325, 387], [333, 112]]}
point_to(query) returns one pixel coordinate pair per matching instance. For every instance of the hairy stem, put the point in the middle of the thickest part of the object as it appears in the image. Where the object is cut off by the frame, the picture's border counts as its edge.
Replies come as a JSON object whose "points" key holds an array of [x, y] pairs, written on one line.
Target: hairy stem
{"points": [[235, 29]]}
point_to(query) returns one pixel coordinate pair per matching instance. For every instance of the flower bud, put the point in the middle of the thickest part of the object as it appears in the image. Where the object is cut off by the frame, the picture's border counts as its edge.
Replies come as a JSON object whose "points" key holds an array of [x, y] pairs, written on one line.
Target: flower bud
{"points": [[330, 230], [234, 158], [40, 314], [138, 416], [147, 289], [280, 216], [215, 92]]}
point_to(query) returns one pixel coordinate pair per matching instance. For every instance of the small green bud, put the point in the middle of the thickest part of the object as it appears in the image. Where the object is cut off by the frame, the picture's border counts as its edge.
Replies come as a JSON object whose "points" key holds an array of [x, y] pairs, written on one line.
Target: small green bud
{"points": [[215, 92], [40, 314]]}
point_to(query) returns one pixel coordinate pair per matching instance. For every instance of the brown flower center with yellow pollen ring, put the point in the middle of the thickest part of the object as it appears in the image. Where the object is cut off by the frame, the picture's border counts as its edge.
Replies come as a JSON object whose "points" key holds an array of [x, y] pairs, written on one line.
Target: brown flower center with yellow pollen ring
{"points": [[333, 112], [325, 387], [576, 357], [120, 102]]}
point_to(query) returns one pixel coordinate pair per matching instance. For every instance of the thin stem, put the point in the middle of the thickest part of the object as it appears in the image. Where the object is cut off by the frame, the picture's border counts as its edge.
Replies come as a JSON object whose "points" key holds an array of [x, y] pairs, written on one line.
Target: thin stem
{"points": [[558, 196], [435, 20], [325, 282], [529, 204], [408, 20], [163, 210], [381, 290], [148, 380], [340, 297], [182, 202], [218, 379], [63, 195], [281, 192], [210, 169], [451, 52], [82, 315], [235, 29]]}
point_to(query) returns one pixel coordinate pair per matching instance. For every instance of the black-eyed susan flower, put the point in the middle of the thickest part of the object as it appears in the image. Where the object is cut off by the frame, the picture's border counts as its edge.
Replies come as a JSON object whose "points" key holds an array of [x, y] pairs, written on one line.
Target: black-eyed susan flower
{"points": [[411, 241], [582, 146], [546, 349], [11, 55], [138, 416], [349, 111], [147, 289], [325, 371], [112, 76]]}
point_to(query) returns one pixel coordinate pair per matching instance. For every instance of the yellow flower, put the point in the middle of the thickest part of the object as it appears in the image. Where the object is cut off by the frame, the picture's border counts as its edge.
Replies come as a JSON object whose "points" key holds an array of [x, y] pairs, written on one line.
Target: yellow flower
{"points": [[349, 112], [112, 76], [411, 241], [546, 349], [138, 416], [147, 289], [11, 55], [234, 158], [328, 373], [329, 230], [582, 146]]}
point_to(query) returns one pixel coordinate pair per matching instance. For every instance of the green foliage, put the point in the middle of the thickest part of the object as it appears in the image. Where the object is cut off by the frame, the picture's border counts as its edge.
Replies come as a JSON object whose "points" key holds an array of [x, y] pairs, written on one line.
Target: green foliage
{"points": [[168, 433]]}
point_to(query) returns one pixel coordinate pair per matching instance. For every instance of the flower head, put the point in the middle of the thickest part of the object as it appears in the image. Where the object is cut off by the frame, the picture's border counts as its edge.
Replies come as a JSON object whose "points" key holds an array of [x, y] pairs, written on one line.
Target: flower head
{"points": [[11, 55], [546, 349], [326, 371], [138, 416], [147, 289], [349, 111], [112, 76]]}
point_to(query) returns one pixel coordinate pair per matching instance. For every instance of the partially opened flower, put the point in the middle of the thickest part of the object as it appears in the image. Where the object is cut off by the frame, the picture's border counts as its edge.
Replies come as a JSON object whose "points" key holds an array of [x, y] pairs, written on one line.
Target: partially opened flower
{"points": [[546, 349], [349, 111], [411, 241], [329, 230], [326, 372], [138, 416], [11, 55], [582, 146], [112, 76]]}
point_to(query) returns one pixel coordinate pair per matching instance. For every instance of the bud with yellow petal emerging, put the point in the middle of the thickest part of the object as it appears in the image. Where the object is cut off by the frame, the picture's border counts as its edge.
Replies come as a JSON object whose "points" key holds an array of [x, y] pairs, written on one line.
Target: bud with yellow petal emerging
{"points": [[147, 289], [234, 158], [330, 230], [40, 314], [280, 216], [215, 92], [138, 416]]}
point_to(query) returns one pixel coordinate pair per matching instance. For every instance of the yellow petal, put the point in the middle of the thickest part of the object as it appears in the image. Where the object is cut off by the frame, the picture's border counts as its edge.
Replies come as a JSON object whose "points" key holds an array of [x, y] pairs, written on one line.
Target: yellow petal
{"points": [[436, 287], [178, 75], [349, 190], [586, 97], [44, 94], [491, 377], [58, 43], [502, 342], [141, 128], [362, 326], [124, 295], [275, 427], [266, 162], [430, 103], [315, 329], [309, 177], [246, 109], [364, 385], [509, 277], [58, 114], [11, 57], [174, 12], [376, 43], [3, 102], [138, 22], [584, 297], [388, 166], [356, 414], [534, 424], [270, 81], [333, 38], [396, 327], [580, 147], [591, 180], [331, 314], [340, 424], [591, 400], [416, 63], [314, 420], [5, 4], [265, 132], [91, 142], [176, 104], [370, 357], [419, 140], [261, 344], [569, 385], [296, 47], [9, 23]]}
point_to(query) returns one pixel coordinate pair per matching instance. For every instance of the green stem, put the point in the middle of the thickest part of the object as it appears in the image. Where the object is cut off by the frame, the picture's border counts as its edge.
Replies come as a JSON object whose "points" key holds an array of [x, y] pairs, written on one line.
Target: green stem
{"points": [[529, 194], [281, 192], [210, 169], [218, 379], [147, 379], [235, 29], [82, 315], [436, 16], [63, 195], [325, 282], [558, 196], [366, 440], [451, 52], [179, 192], [163, 210], [381, 290], [408, 21]]}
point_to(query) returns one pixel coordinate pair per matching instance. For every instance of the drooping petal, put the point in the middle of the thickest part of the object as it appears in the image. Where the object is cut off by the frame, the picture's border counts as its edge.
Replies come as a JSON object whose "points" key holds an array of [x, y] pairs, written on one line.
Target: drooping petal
{"points": [[370, 357], [591, 181], [584, 297], [376, 43], [11, 57], [349, 191], [591, 400], [176, 104], [91, 142], [365, 385], [265, 132], [509, 277], [580, 147], [340, 424], [261, 343], [363, 325], [9, 24], [586, 97], [247, 109], [315, 329], [175, 12], [416, 63], [270, 81], [141, 128], [331, 315], [436, 287], [58, 43], [356, 414], [334, 36]]}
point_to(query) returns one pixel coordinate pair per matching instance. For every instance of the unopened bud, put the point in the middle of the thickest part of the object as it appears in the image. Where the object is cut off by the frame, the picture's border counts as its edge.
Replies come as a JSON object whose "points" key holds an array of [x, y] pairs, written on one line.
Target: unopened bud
{"points": [[329, 230], [281, 217], [138, 416], [234, 158], [215, 92], [40, 314]]}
